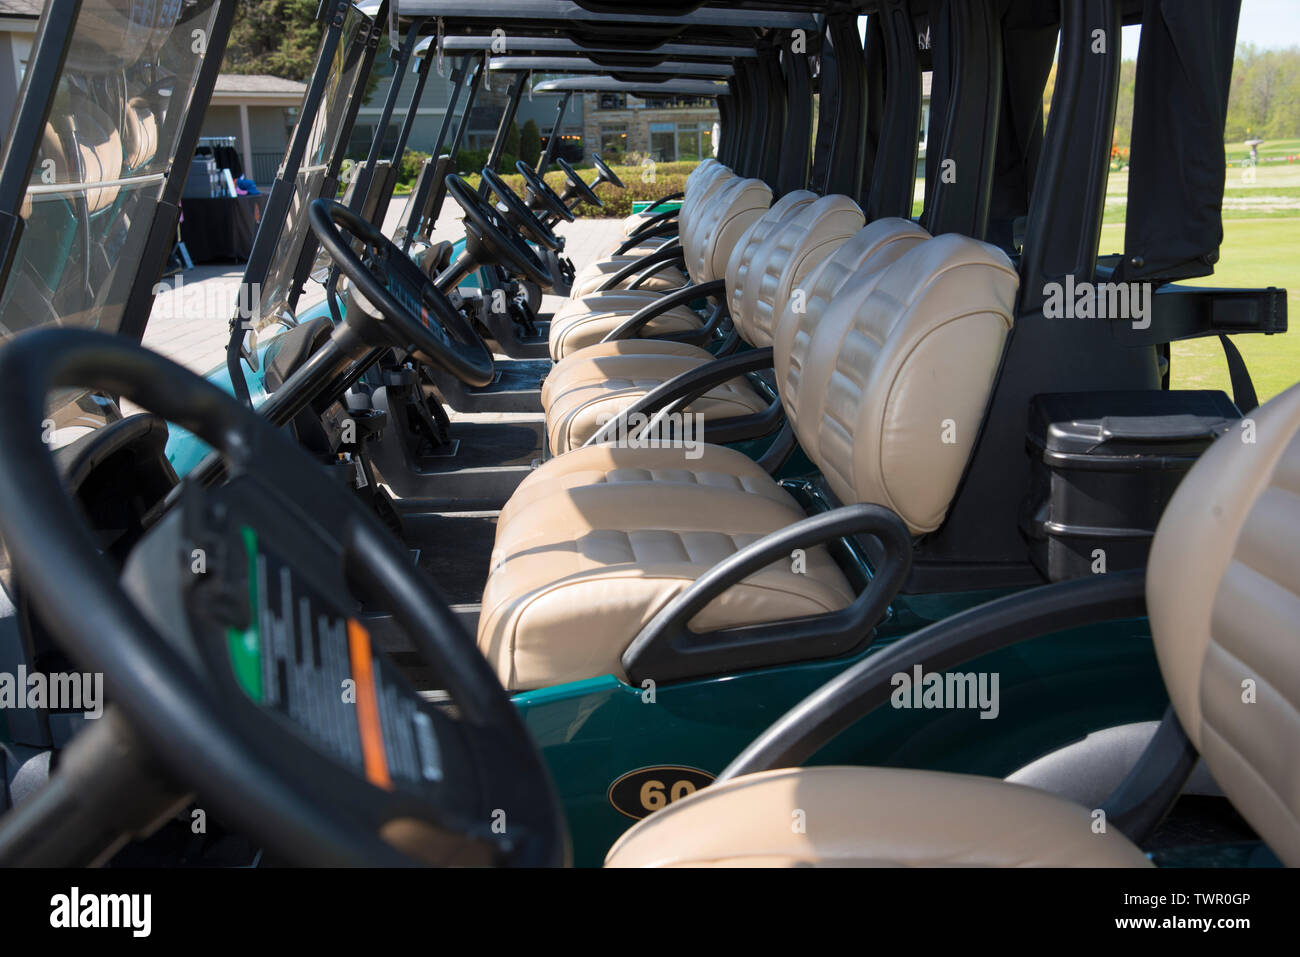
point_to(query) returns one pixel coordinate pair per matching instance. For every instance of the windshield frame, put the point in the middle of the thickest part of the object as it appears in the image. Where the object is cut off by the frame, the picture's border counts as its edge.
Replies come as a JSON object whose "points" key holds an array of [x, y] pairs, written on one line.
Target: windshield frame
{"points": [[38, 93], [268, 258]]}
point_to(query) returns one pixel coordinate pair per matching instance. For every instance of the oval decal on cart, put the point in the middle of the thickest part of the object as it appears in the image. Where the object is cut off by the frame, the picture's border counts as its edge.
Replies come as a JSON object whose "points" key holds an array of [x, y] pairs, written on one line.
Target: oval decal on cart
{"points": [[646, 790]]}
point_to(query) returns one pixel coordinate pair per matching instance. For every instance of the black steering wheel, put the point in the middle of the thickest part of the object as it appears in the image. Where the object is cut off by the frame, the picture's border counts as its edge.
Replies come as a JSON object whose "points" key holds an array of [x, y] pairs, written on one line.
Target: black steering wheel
{"points": [[314, 745], [608, 174], [413, 314], [501, 243], [542, 191], [519, 213], [580, 188]]}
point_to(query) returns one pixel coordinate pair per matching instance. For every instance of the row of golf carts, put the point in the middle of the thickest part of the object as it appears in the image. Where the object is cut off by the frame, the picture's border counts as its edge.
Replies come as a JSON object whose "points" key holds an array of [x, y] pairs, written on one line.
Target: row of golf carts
{"points": [[828, 516]]}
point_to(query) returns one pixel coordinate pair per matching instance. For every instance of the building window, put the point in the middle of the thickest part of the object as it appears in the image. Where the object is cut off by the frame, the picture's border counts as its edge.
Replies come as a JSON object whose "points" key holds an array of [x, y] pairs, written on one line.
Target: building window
{"points": [[613, 139], [612, 101], [677, 102], [362, 135], [681, 141], [663, 142]]}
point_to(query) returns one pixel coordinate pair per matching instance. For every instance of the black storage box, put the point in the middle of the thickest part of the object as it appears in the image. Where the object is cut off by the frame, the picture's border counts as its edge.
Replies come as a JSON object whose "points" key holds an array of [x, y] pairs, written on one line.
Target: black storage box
{"points": [[1105, 464]]}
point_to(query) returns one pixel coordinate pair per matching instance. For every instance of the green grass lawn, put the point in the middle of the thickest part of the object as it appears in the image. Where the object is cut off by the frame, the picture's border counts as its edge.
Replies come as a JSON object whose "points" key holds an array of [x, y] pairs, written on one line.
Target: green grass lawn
{"points": [[1261, 247], [1255, 253], [1269, 150]]}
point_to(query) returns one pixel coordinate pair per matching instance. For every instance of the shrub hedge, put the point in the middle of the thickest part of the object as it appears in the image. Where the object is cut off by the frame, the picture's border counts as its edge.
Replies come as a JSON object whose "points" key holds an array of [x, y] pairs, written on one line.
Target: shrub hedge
{"points": [[643, 182]]}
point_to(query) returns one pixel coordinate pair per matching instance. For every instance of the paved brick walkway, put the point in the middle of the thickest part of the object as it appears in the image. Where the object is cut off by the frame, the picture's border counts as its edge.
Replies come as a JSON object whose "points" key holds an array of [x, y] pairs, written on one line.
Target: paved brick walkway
{"points": [[192, 311]]}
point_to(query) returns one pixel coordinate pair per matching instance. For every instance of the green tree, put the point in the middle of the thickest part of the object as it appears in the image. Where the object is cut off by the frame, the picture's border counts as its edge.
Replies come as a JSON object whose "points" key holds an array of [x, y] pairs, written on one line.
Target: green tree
{"points": [[276, 37], [530, 144], [1265, 97], [282, 37], [509, 150]]}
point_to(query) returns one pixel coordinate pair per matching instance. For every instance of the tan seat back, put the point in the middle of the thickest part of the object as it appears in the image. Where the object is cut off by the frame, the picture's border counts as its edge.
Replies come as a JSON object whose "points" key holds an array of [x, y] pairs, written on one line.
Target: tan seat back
{"points": [[895, 371], [140, 133], [707, 169], [724, 216], [1223, 593], [696, 198], [98, 151], [869, 250], [692, 213], [769, 261]]}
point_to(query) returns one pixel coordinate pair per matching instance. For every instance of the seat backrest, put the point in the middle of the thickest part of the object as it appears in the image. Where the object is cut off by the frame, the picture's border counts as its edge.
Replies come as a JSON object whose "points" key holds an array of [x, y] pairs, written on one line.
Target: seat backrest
{"points": [[708, 167], [698, 189], [84, 146], [895, 370], [767, 263], [1223, 594], [693, 208], [723, 219], [770, 219], [140, 133], [870, 249]]}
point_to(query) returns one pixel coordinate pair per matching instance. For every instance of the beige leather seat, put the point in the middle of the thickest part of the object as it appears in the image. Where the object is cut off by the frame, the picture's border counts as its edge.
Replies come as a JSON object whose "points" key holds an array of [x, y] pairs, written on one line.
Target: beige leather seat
{"points": [[591, 551], [720, 218], [1223, 593], [140, 133], [595, 542], [94, 139], [730, 205], [795, 235], [586, 318], [695, 201], [870, 817], [707, 240]]}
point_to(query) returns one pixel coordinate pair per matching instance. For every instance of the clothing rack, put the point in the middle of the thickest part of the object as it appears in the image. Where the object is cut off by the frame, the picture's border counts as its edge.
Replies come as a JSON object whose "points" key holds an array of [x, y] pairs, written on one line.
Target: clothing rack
{"points": [[225, 150]]}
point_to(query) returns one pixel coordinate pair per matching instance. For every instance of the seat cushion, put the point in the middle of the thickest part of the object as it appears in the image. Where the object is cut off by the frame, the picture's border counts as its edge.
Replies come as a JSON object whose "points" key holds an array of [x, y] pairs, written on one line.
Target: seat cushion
{"points": [[590, 277], [582, 394], [595, 542], [716, 465], [643, 248], [870, 817], [559, 378], [635, 221], [584, 321]]}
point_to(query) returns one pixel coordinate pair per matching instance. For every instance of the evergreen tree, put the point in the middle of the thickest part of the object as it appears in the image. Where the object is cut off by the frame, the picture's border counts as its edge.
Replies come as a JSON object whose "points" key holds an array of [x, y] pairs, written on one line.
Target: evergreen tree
{"points": [[530, 144], [275, 37], [509, 150]]}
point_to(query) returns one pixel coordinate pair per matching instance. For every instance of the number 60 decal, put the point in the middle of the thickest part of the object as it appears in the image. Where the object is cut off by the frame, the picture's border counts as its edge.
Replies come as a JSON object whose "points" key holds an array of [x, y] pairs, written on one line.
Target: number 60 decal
{"points": [[639, 793]]}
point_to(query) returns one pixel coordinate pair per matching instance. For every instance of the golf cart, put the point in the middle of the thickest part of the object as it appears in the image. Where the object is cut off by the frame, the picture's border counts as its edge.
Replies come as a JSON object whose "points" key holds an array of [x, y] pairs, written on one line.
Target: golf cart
{"points": [[907, 464]]}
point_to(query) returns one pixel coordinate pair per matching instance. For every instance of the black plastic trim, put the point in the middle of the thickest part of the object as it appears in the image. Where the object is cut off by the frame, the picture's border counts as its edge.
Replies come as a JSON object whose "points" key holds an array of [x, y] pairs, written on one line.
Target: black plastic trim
{"points": [[667, 649]]}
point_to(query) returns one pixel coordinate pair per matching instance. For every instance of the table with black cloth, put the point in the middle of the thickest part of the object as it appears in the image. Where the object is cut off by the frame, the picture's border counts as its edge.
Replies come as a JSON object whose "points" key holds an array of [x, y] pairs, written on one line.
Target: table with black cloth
{"points": [[222, 228]]}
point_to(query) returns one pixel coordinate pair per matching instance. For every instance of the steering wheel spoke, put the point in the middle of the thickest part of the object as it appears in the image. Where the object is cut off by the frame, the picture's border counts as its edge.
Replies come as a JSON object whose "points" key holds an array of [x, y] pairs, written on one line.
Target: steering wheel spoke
{"points": [[606, 173], [396, 302], [541, 190], [501, 242], [579, 185], [518, 214]]}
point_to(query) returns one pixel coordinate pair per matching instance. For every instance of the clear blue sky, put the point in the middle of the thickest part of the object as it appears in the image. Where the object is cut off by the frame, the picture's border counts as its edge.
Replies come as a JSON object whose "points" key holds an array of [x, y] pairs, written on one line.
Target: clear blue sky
{"points": [[1270, 23]]}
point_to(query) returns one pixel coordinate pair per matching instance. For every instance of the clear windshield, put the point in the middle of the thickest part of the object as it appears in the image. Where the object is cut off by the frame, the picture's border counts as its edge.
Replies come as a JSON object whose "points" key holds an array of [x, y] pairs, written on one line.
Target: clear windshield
{"points": [[326, 131], [103, 160]]}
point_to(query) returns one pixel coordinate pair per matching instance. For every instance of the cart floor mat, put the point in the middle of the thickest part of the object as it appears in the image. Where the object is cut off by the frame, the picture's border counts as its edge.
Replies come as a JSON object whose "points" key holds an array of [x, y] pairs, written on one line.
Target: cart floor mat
{"points": [[455, 551]]}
